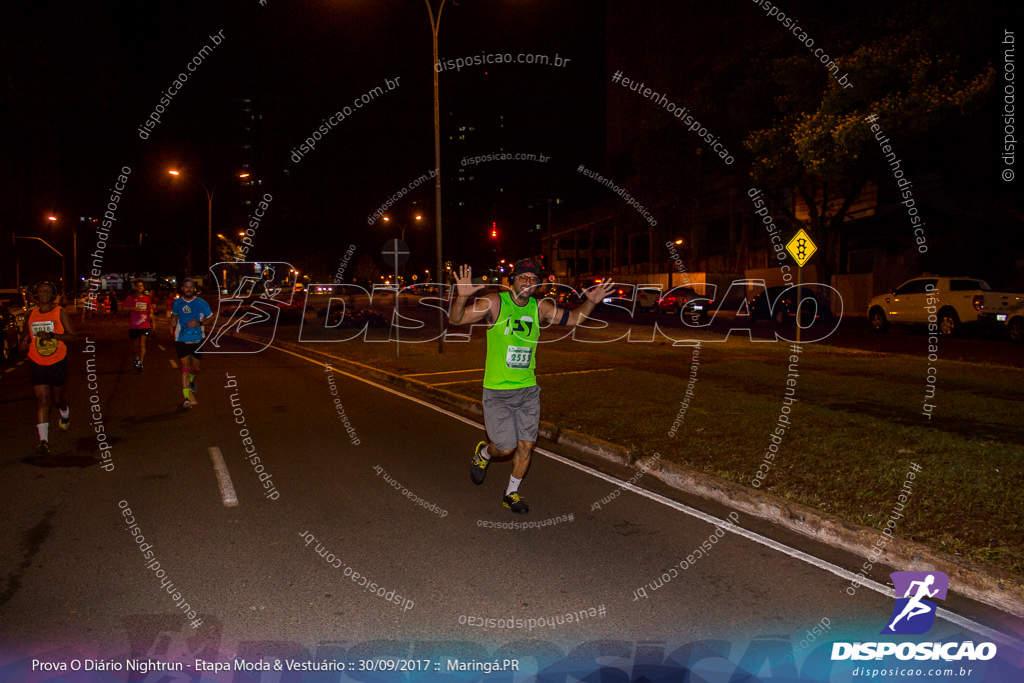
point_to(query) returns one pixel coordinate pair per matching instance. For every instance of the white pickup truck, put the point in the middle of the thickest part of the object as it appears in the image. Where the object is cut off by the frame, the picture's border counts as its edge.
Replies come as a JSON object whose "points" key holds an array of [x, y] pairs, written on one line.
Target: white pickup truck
{"points": [[946, 302], [1006, 310]]}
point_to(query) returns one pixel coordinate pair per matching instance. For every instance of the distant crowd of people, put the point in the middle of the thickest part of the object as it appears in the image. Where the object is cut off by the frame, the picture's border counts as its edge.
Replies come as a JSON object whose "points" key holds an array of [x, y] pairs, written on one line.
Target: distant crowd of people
{"points": [[108, 303], [49, 330]]}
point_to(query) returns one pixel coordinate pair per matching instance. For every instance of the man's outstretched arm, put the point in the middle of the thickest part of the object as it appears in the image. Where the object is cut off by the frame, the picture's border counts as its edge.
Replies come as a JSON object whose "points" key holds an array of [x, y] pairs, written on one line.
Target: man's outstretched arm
{"points": [[561, 316], [464, 288]]}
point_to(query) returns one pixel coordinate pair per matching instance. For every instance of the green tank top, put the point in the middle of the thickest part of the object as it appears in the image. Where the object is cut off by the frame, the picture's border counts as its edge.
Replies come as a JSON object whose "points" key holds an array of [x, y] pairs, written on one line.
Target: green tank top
{"points": [[512, 346]]}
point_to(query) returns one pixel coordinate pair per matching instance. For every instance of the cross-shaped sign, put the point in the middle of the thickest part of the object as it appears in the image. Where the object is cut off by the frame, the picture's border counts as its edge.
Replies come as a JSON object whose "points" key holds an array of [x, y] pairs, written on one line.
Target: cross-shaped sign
{"points": [[395, 252]]}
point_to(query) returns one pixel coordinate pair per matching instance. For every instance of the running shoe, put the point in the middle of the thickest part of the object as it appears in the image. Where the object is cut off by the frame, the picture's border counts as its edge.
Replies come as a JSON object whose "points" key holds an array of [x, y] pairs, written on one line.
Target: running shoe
{"points": [[138, 365], [43, 448], [65, 423], [514, 503], [478, 468], [187, 404]]}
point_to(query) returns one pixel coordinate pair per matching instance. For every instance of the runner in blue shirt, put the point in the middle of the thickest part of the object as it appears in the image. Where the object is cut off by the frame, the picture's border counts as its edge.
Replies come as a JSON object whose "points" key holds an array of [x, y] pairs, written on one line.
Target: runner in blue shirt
{"points": [[188, 315]]}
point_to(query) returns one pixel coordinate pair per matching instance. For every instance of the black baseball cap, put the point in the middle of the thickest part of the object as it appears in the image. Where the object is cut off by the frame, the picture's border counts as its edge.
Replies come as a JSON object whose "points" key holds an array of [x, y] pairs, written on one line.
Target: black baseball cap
{"points": [[526, 265]]}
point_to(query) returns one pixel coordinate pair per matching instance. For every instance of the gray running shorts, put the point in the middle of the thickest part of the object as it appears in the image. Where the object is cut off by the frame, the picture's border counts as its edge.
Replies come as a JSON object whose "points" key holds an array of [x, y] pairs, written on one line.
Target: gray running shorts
{"points": [[512, 415]]}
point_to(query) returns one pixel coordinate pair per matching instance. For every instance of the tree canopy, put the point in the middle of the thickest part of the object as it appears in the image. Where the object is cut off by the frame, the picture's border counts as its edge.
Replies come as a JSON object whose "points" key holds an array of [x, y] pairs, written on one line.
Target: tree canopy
{"points": [[819, 143]]}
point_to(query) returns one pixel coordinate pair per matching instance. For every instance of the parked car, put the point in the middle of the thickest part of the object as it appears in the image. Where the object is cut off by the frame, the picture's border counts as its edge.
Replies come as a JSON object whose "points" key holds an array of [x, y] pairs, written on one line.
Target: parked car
{"points": [[353, 316], [675, 301], [1012, 319], [10, 333], [684, 300], [16, 301], [948, 302], [647, 299], [779, 305], [568, 299], [1015, 323], [620, 292], [1003, 311]]}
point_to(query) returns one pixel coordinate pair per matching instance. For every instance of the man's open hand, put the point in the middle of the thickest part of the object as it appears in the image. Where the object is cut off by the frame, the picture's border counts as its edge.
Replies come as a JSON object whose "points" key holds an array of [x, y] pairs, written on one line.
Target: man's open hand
{"points": [[599, 292], [464, 282]]}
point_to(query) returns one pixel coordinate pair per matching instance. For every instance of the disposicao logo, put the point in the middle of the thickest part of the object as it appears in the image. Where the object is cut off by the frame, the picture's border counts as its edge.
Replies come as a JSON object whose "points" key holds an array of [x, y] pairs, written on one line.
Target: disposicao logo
{"points": [[913, 614]]}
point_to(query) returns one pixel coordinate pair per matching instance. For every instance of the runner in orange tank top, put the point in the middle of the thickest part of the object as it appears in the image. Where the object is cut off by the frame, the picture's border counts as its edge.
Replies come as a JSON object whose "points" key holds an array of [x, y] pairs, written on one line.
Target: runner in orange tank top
{"points": [[49, 331]]}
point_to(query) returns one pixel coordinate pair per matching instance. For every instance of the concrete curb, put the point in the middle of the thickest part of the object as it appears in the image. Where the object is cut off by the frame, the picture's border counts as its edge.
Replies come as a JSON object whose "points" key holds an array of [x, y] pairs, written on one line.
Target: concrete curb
{"points": [[991, 587]]}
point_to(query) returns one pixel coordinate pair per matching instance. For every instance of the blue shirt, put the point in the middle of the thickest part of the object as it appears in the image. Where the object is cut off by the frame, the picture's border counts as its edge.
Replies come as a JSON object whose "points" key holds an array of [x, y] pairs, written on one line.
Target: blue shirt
{"points": [[196, 309]]}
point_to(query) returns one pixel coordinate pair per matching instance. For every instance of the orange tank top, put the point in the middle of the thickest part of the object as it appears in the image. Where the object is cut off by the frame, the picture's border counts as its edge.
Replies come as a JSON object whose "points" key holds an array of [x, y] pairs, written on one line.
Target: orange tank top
{"points": [[49, 351]]}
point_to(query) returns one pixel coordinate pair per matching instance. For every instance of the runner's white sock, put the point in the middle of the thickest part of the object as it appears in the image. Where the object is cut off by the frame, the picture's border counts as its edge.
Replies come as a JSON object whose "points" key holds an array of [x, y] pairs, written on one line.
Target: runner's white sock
{"points": [[513, 485], [44, 431], [485, 452], [66, 413]]}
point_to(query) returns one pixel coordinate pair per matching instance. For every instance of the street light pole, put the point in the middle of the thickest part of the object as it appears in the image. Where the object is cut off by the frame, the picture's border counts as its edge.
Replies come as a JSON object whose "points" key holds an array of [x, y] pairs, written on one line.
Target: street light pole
{"points": [[17, 275], [74, 264], [209, 220], [434, 24], [74, 260], [64, 272], [401, 226], [209, 228]]}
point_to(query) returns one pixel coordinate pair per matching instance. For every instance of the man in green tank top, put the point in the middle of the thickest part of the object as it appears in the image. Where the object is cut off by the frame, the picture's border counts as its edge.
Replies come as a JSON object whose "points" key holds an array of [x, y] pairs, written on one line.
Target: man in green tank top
{"points": [[511, 396]]}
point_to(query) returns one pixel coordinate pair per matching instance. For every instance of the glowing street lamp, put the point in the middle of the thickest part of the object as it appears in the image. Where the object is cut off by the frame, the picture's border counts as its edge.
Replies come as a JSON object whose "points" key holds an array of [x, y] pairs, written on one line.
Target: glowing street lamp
{"points": [[209, 215], [74, 258], [402, 226], [17, 262], [74, 265]]}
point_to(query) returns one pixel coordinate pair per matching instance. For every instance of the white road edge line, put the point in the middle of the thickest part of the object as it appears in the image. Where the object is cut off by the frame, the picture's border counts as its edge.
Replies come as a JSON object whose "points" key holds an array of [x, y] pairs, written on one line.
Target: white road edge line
{"points": [[220, 468], [951, 617], [446, 372], [574, 372]]}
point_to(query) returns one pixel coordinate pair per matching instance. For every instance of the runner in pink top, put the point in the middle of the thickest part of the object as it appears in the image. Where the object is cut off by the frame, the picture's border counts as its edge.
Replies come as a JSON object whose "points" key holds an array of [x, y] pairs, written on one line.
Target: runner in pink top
{"points": [[140, 320]]}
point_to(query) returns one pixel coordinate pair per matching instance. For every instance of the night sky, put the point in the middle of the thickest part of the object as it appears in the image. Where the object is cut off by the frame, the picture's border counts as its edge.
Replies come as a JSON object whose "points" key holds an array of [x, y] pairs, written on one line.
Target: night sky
{"points": [[81, 78], [81, 81]]}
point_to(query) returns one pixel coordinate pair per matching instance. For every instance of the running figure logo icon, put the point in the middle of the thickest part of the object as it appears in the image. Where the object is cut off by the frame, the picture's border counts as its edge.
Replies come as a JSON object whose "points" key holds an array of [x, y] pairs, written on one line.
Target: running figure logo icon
{"points": [[250, 294], [913, 614]]}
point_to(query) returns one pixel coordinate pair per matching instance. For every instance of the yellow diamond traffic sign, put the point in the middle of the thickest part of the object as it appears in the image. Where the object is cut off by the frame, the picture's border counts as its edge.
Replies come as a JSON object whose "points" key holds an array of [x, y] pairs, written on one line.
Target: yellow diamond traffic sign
{"points": [[801, 247]]}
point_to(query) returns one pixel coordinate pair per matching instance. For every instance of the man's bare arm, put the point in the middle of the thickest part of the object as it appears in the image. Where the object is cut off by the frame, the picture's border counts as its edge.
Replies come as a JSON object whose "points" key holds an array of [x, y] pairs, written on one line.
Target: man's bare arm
{"points": [[561, 316], [464, 288]]}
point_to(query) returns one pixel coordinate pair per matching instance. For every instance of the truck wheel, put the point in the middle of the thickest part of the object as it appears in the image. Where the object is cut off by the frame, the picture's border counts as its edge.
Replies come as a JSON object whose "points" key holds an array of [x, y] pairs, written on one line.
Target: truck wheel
{"points": [[1016, 330], [949, 322], [876, 318]]}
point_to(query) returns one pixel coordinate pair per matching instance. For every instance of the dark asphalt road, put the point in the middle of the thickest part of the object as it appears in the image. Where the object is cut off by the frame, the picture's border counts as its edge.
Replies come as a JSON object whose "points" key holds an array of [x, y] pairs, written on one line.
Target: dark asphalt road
{"points": [[285, 574]]}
